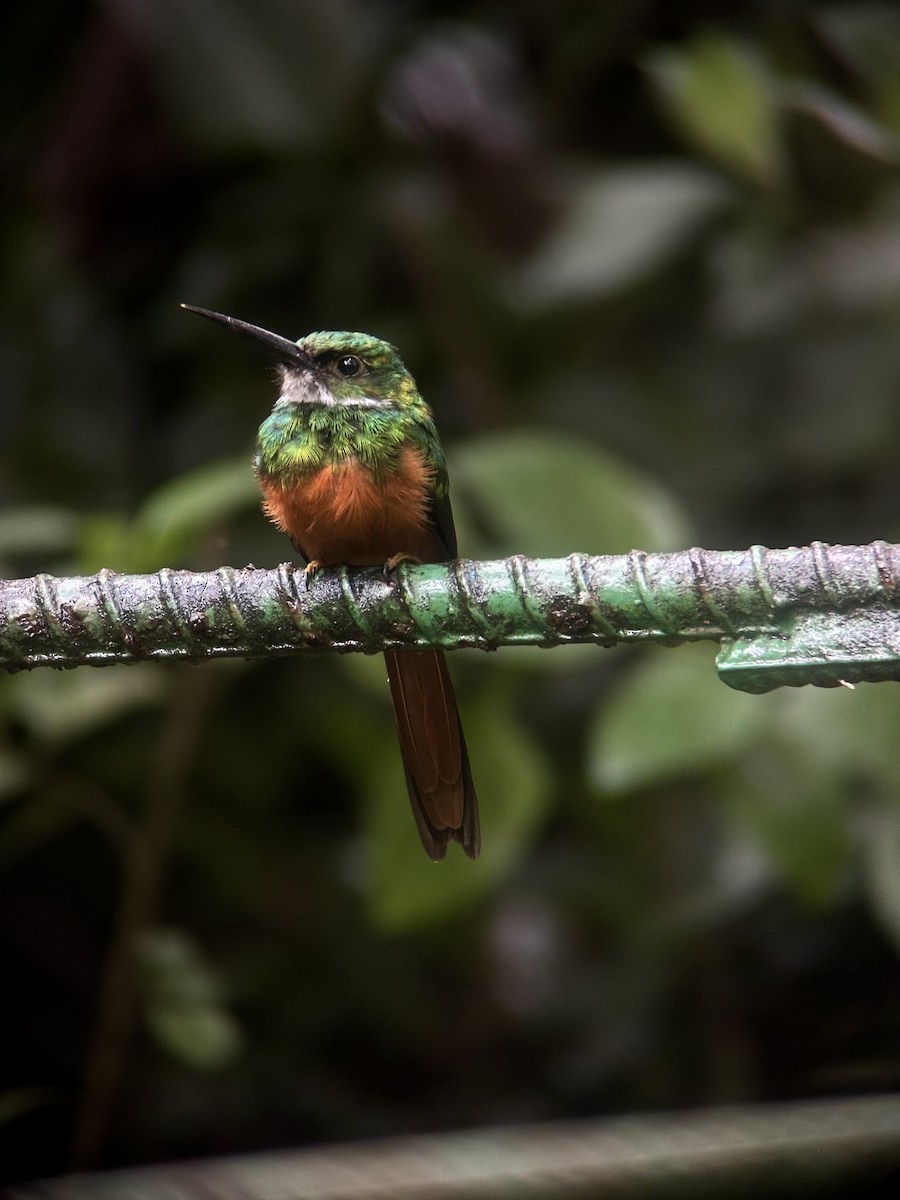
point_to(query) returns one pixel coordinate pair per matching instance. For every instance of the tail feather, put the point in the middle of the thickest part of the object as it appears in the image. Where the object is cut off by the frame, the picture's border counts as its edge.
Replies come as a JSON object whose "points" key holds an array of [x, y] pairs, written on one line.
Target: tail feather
{"points": [[434, 751]]}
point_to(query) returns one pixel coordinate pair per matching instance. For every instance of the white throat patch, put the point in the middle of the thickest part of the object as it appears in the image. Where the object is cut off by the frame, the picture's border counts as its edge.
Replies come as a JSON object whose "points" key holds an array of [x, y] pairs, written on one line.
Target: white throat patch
{"points": [[302, 387]]}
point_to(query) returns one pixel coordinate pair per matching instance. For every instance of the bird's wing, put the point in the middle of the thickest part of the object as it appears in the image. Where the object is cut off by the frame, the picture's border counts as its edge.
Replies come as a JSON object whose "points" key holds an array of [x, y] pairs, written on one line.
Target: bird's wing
{"points": [[442, 524]]}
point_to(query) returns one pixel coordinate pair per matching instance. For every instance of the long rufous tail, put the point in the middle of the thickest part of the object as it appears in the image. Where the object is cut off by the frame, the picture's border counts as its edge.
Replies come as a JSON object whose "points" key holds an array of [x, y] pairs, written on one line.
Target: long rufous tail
{"points": [[434, 751]]}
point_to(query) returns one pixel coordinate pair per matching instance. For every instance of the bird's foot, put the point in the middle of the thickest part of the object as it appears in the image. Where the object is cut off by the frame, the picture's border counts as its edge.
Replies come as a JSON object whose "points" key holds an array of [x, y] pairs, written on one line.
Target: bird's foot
{"points": [[394, 562], [312, 567]]}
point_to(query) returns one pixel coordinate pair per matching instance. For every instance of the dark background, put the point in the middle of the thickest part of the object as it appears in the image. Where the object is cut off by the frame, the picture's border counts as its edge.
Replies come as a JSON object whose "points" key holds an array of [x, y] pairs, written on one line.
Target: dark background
{"points": [[643, 261]]}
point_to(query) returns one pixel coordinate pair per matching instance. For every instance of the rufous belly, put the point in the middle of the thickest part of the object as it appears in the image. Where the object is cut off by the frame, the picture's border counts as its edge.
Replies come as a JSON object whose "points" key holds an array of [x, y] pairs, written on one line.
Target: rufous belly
{"points": [[345, 514]]}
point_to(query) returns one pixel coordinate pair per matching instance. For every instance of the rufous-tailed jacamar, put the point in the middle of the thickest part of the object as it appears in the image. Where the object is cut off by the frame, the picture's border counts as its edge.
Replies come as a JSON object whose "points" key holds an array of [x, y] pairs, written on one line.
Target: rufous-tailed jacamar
{"points": [[351, 467]]}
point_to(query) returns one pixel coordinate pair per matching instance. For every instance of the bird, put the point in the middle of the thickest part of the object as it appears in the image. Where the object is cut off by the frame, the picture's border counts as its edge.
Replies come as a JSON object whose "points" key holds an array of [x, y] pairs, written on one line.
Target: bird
{"points": [[350, 466]]}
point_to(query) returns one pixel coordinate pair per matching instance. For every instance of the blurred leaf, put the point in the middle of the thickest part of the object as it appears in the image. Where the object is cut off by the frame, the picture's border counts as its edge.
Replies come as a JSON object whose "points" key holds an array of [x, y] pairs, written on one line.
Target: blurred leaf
{"points": [[182, 1002], [171, 519], [794, 791], [407, 891], [620, 226], [193, 503], [723, 98], [106, 541], [798, 812], [38, 530], [59, 706], [543, 493], [799, 755], [844, 121], [850, 270], [199, 1036], [671, 718], [848, 734]]}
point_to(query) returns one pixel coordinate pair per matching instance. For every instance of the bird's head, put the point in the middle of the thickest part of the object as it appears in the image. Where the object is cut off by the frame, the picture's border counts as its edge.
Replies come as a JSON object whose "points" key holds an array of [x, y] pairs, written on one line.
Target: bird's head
{"points": [[332, 368]]}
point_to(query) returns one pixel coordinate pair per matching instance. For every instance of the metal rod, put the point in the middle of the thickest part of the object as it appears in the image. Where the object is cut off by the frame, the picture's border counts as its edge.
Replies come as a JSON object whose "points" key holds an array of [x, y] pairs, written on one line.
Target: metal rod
{"points": [[803, 1150], [818, 614]]}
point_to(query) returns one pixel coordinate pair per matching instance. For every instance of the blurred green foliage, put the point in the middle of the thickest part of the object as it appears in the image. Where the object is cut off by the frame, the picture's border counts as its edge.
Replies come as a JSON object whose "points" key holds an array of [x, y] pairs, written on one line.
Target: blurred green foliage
{"points": [[642, 259]]}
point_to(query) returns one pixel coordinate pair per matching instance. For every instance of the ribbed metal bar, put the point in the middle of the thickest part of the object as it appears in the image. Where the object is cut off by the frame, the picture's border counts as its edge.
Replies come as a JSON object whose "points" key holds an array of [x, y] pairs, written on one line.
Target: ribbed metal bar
{"points": [[818, 614]]}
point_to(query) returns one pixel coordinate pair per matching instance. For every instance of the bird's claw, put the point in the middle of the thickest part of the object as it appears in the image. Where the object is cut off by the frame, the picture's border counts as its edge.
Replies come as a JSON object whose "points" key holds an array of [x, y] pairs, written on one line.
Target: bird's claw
{"points": [[394, 562]]}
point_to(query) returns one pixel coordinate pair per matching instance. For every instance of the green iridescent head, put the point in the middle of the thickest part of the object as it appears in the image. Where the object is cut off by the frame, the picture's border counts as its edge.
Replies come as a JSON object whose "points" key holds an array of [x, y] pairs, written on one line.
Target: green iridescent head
{"points": [[332, 368], [353, 369]]}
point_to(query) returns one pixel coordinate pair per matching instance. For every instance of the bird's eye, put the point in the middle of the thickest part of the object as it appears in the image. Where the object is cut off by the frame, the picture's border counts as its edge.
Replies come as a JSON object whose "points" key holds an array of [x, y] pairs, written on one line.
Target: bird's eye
{"points": [[349, 365]]}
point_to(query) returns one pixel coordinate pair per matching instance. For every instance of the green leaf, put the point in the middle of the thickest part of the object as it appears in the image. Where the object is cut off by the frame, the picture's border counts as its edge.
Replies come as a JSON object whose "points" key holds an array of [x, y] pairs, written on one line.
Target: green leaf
{"points": [[793, 793], [619, 227], [671, 718], [200, 498], [848, 733], [172, 517], [543, 493], [186, 507], [182, 1002], [38, 530], [60, 706], [198, 1036], [797, 811], [107, 541], [407, 891], [725, 101]]}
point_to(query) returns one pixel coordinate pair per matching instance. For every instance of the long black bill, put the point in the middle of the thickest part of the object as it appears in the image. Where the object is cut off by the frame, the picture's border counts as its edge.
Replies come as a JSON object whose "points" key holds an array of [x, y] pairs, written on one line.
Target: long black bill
{"points": [[289, 351]]}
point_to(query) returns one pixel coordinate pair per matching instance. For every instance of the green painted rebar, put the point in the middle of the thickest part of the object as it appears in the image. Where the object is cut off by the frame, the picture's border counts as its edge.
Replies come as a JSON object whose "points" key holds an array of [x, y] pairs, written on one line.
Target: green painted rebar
{"points": [[818, 614]]}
